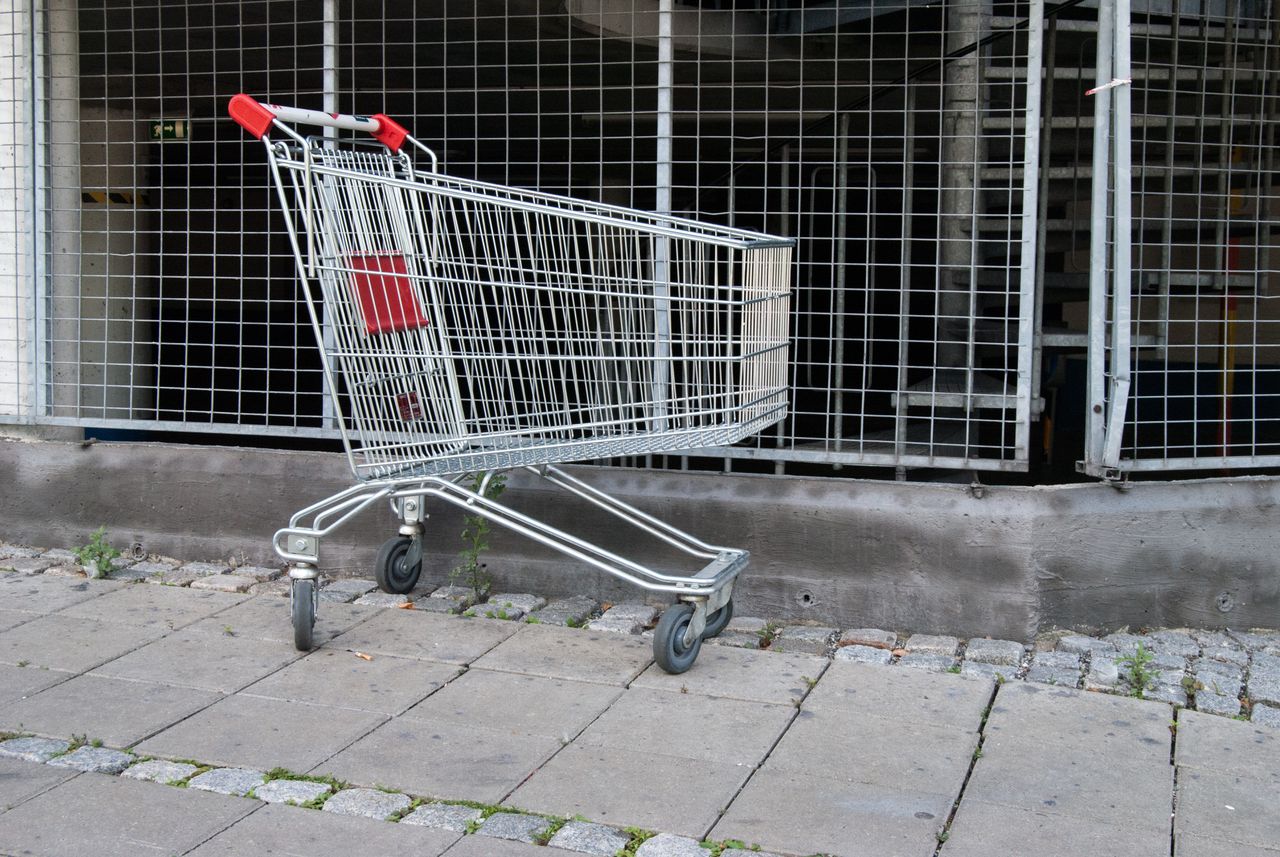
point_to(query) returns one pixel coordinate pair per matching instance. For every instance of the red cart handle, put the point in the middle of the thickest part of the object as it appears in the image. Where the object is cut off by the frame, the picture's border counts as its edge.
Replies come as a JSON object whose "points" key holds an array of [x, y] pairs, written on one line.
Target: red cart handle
{"points": [[256, 118]]}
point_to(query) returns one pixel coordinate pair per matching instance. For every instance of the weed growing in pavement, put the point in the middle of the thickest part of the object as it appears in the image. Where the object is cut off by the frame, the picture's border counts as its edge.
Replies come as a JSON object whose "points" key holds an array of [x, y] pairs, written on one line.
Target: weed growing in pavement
{"points": [[97, 556], [475, 535], [1136, 673], [767, 634], [639, 836]]}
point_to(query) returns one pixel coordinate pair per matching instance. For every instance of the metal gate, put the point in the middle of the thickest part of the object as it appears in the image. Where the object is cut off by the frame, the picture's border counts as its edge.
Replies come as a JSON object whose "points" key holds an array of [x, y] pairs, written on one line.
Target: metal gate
{"points": [[1185, 355]]}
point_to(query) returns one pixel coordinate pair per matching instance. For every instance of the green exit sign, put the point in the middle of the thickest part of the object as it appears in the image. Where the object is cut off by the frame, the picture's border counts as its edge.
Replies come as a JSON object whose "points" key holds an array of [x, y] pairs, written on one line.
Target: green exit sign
{"points": [[170, 129]]}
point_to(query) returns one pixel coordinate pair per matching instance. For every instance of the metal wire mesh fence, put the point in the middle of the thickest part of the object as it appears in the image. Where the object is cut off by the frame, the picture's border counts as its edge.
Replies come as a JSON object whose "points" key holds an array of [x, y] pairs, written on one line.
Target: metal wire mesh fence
{"points": [[941, 302]]}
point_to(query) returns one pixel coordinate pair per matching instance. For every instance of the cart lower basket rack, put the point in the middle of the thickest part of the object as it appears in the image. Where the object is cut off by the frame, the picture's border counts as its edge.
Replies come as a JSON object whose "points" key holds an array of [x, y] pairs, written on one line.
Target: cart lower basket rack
{"points": [[468, 329]]}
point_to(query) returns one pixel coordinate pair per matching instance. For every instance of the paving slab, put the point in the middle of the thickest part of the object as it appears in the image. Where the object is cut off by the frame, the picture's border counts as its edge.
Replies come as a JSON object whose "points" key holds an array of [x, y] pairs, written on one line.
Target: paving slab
{"points": [[163, 607], [14, 618], [160, 771], [291, 791], [476, 846], [1117, 723], [382, 683], [514, 826], [228, 781], [876, 750], [756, 676], [690, 726], [999, 652], [446, 816], [16, 683], [269, 619], [799, 813], [625, 789], [670, 845], [1250, 750], [983, 829], [569, 653], [120, 713], [206, 661], [910, 696], [510, 702], [367, 803], [426, 636], [21, 780], [128, 817], [1040, 770], [72, 644], [442, 760], [1226, 807], [864, 654], [42, 594], [586, 837], [288, 831], [1189, 845], [262, 733]]}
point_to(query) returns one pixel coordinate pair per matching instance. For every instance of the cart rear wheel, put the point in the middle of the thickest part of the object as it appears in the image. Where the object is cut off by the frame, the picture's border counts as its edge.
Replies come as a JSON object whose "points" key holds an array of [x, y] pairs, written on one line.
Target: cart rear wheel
{"points": [[717, 621], [303, 606], [392, 570], [669, 649]]}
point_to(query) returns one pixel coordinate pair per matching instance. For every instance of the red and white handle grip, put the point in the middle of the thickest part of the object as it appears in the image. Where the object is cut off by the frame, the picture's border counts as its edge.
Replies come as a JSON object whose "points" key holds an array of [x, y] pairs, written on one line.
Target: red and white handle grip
{"points": [[256, 118]]}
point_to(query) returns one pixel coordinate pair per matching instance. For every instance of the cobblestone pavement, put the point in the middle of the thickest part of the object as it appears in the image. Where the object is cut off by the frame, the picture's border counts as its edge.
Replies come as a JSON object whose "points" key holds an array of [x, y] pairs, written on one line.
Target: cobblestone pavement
{"points": [[528, 728]]}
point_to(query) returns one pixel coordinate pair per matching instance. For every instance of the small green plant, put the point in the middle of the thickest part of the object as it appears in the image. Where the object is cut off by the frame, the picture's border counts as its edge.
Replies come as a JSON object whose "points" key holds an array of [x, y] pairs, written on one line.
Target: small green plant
{"points": [[767, 634], [475, 535], [23, 663], [97, 556], [954, 669], [1136, 673], [638, 837]]}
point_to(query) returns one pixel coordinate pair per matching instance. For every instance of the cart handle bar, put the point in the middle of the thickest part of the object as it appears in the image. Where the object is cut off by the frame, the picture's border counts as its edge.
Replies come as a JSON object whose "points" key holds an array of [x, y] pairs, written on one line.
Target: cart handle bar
{"points": [[256, 118]]}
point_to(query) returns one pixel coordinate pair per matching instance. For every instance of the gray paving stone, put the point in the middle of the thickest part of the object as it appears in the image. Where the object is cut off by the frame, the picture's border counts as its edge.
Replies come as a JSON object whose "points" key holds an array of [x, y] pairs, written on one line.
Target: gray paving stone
{"points": [[8, 552], [1174, 641], [464, 762], [742, 632], [462, 597], [228, 781], [1001, 652], [160, 771], [776, 677], [490, 610], [1226, 654], [625, 619], [204, 569], [994, 672], [804, 639], [1213, 639], [367, 803], [130, 573], [517, 704], [99, 760], [260, 574], [30, 565], [1103, 674], [268, 619], [383, 599], [1056, 668], [173, 578], [909, 696], [514, 826], [252, 731], [107, 816], [1254, 639], [588, 838], [346, 590], [291, 791], [442, 606], [190, 658], [1233, 747], [566, 611], [632, 789], [159, 570], [1264, 686], [872, 637], [33, 749], [931, 644], [153, 606], [566, 653], [1126, 643], [802, 814], [1217, 703], [282, 830], [41, 594], [670, 845], [1265, 715], [17, 683], [64, 571], [59, 554], [1225, 807], [444, 816], [863, 654], [383, 684], [521, 600], [928, 661], [1220, 677], [481, 846], [21, 780], [984, 829], [224, 583], [427, 636], [272, 589]]}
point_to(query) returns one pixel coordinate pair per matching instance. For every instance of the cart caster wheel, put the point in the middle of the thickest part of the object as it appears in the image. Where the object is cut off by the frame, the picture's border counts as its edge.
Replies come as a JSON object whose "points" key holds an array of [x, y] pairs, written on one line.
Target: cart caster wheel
{"points": [[669, 649], [717, 621], [391, 569], [303, 607]]}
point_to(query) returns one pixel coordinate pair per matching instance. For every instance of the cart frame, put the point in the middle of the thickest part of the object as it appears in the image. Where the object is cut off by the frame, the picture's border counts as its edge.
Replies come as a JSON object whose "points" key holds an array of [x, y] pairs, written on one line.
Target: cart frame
{"points": [[392, 241]]}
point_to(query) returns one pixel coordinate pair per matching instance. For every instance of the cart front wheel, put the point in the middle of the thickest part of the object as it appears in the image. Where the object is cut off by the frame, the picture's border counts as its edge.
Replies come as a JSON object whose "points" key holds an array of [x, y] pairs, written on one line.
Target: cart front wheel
{"points": [[392, 569], [669, 649], [717, 621], [303, 598]]}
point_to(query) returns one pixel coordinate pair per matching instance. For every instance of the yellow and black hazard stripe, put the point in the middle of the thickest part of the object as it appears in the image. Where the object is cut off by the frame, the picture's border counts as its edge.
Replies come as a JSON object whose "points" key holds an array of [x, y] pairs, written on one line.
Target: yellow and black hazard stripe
{"points": [[112, 197]]}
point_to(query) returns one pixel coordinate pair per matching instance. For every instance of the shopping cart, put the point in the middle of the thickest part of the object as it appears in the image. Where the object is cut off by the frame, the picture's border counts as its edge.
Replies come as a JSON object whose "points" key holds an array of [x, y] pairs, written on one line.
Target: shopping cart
{"points": [[467, 329]]}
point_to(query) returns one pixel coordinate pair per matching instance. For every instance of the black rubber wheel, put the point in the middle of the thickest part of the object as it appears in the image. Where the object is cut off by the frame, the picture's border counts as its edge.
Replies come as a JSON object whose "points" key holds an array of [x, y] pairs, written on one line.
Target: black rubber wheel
{"points": [[303, 608], [669, 649], [391, 569], [717, 621]]}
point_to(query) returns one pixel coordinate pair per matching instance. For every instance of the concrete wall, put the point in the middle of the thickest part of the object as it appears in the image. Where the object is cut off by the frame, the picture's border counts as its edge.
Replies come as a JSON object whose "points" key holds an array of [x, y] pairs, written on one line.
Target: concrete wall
{"points": [[911, 557]]}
